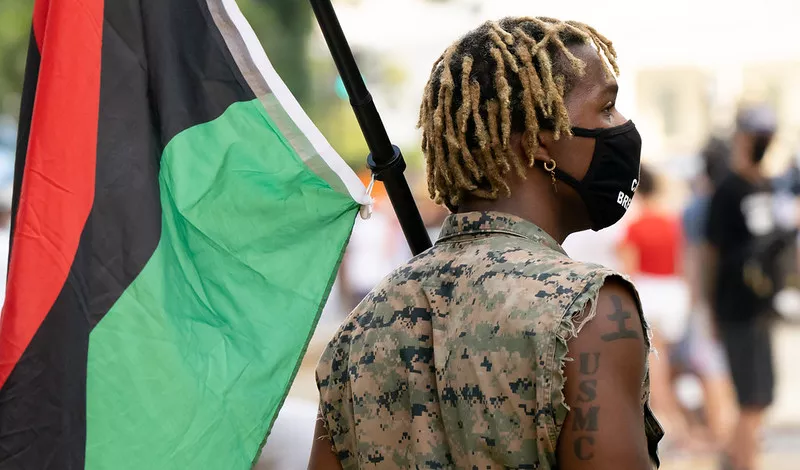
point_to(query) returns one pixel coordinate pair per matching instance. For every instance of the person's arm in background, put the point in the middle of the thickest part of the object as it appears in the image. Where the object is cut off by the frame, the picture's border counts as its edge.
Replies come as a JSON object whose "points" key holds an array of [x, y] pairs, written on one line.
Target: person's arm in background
{"points": [[693, 273], [604, 429], [692, 250], [628, 253], [322, 455]]}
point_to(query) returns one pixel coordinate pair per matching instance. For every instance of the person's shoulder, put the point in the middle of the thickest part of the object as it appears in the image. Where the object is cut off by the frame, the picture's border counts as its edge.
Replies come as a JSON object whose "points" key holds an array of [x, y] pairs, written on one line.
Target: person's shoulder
{"points": [[588, 286], [734, 183], [731, 188], [574, 284], [500, 265], [636, 224], [575, 269], [548, 270], [492, 251], [617, 289], [495, 264], [613, 314]]}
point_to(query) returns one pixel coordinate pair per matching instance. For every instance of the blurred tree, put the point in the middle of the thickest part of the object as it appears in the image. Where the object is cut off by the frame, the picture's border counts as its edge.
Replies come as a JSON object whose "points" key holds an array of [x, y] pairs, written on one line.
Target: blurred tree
{"points": [[282, 26], [15, 27]]}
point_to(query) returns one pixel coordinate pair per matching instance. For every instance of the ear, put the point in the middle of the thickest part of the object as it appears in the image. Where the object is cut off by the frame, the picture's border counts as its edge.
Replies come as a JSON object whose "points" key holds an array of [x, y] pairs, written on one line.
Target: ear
{"points": [[545, 151]]}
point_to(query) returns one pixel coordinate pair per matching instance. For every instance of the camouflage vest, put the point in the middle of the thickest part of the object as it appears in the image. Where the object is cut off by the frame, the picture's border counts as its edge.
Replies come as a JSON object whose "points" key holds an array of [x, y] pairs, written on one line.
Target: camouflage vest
{"points": [[455, 360]]}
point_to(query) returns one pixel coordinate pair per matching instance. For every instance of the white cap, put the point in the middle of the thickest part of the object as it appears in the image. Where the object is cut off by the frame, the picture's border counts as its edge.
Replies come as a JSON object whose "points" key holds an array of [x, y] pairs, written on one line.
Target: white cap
{"points": [[759, 119]]}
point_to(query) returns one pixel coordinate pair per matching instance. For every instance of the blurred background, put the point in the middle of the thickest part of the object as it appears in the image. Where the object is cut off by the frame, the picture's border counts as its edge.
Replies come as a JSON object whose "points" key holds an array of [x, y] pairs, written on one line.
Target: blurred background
{"points": [[687, 65]]}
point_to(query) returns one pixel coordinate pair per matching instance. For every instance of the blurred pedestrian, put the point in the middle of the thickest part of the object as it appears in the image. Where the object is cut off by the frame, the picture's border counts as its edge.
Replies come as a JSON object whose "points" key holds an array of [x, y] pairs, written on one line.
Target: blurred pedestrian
{"points": [[741, 216], [494, 349], [699, 351], [651, 252], [7, 136]]}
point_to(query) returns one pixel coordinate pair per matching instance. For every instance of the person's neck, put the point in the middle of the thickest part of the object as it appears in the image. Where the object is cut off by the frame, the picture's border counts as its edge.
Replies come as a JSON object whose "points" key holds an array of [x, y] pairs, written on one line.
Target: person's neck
{"points": [[537, 214], [649, 205], [748, 170]]}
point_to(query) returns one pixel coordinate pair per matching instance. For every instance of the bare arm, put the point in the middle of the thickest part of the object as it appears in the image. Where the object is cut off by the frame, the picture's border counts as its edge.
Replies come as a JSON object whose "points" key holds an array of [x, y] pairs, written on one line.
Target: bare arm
{"points": [[605, 426], [693, 274], [322, 456], [628, 255]]}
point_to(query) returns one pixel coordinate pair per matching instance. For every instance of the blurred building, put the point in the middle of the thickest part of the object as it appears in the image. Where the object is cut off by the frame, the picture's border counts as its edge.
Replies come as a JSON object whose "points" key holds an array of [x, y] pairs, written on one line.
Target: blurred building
{"points": [[682, 105], [685, 64]]}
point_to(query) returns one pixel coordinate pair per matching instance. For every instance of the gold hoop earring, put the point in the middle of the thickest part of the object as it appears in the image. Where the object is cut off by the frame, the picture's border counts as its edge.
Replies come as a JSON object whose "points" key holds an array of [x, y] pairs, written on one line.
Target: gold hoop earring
{"points": [[551, 167]]}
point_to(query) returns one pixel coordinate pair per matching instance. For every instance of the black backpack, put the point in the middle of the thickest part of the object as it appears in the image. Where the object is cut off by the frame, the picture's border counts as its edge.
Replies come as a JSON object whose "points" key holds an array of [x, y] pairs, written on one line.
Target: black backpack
{"points": [[770, 265]]}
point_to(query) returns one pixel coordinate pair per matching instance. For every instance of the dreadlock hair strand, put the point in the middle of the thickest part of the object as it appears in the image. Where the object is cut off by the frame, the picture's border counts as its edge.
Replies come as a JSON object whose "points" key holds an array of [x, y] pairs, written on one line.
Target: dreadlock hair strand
{"points": [[453, 145], [484, 150], [532, 90], [463, 115]]}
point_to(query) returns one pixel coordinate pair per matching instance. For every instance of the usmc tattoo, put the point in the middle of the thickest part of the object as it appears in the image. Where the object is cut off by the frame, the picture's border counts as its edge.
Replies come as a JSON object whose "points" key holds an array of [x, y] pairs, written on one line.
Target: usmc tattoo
{"points": [[589, 363], [621, 317], [586, 421], [588, 389], [586, 415], [583, 447]]}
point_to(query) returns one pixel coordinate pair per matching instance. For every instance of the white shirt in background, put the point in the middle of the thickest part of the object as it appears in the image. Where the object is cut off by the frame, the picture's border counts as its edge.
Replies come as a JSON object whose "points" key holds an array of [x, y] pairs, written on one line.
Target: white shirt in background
{"points": [[596, 247]]}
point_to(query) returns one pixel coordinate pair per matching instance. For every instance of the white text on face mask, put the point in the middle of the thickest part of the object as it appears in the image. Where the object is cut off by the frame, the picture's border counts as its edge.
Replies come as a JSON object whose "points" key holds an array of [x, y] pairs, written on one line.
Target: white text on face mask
{"points": [[624, 200]]}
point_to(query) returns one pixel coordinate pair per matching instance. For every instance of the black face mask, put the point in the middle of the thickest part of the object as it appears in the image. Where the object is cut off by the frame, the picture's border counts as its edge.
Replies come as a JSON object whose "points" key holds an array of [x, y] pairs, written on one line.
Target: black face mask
{"points": [[760, 145], [613, 175]]}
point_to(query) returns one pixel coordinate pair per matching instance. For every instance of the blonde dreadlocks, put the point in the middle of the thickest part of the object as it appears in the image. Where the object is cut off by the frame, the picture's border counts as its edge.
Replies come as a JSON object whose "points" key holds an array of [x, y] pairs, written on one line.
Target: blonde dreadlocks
{"points": [[507, 76]]}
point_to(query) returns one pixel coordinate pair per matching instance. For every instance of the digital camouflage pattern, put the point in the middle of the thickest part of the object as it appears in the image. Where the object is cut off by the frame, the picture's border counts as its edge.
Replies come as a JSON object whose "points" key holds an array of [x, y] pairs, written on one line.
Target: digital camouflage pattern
{"points": [[455, 360]]}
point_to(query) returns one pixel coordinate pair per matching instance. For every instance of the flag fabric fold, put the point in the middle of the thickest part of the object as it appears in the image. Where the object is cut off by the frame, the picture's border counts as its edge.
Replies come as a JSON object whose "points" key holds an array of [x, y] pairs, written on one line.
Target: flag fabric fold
{"points": [[178, 224]]}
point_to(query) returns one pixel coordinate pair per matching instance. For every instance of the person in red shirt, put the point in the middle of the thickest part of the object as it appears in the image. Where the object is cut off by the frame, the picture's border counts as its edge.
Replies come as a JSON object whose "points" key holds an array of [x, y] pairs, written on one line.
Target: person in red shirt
{"points": [[651, 254]]}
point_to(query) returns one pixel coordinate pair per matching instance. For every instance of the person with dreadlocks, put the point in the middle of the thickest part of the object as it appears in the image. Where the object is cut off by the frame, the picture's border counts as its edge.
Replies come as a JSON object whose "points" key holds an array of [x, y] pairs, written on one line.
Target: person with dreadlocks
{"points": [[494, 349]]}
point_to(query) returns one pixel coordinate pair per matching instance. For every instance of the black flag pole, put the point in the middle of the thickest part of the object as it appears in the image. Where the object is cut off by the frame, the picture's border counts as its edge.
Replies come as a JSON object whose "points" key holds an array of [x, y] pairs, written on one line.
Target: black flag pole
{"points": [[385, 160]]}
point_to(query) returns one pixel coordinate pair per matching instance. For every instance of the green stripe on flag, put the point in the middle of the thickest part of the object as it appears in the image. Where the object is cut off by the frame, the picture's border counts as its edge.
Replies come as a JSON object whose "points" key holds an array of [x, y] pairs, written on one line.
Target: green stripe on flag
{"points": [[190, 366]]}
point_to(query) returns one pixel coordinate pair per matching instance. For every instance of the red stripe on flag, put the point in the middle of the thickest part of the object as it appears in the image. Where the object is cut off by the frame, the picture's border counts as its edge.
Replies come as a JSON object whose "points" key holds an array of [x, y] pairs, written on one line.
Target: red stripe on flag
{"points": [[59, 176], [40, 9]]}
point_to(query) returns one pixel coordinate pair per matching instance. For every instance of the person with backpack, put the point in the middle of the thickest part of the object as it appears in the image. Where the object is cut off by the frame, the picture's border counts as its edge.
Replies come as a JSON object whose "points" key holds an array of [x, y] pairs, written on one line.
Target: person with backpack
{"points": [[699, 353], [742, 238]]}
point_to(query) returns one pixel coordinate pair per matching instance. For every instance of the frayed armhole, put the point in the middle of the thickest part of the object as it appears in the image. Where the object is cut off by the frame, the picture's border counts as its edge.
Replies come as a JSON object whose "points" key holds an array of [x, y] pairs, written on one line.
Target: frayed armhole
{"points": [[584, 307]]}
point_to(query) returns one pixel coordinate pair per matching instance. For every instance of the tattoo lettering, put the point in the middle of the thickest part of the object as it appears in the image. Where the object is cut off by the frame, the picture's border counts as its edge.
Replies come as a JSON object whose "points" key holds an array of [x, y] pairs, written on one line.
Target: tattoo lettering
{"points": [[621, 316], [583, 448], [588, 391], [586, 422], [587, 368], [586, 418]]}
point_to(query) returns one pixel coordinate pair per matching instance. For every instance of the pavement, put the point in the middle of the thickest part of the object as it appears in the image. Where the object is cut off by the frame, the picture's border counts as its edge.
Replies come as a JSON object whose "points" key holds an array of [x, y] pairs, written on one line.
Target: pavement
{"points": [[781, 441]]}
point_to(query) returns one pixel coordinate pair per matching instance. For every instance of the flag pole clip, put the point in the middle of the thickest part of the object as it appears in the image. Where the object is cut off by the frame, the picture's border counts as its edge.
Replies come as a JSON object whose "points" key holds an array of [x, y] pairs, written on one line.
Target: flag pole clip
{"points": [[396, 164]]}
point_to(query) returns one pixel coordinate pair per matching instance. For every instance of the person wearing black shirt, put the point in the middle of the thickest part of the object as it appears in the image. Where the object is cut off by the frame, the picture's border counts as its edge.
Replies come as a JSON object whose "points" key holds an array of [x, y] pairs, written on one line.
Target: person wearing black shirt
{"points": [[740, 211]]}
